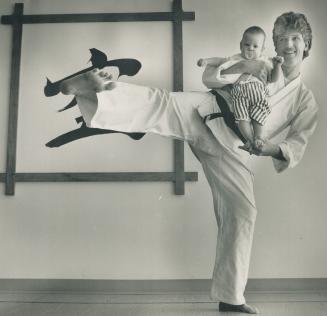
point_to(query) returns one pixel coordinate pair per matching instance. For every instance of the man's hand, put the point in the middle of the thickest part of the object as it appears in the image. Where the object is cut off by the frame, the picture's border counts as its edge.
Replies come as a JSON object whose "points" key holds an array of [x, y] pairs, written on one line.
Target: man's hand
{"points": [[266, 148], [257, 68]]}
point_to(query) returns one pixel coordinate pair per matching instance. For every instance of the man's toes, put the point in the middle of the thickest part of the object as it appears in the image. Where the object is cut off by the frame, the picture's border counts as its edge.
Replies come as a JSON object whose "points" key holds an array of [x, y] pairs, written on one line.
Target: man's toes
{"points": [[105, 75], [249, 309]]}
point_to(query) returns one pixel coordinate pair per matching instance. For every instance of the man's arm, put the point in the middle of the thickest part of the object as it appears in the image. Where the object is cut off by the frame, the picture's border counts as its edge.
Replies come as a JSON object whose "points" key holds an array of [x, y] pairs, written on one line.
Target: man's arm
{"points": [[289, 152], [268, 149]]}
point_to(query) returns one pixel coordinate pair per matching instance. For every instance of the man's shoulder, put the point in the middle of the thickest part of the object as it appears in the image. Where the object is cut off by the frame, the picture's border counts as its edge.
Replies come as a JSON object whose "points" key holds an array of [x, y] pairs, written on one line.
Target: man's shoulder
{"points": [[305, 90], [307, 97]]}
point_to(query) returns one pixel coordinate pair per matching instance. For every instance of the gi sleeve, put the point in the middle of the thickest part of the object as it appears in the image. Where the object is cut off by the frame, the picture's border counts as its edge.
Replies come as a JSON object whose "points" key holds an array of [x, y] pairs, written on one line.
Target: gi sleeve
{"points": [[211, 77], [227, 78], [302, 127]]}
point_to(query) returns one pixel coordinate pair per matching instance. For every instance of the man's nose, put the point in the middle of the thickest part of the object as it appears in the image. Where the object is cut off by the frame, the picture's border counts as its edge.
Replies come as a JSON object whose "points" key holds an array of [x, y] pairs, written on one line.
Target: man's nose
{"points": [[288, 42]]}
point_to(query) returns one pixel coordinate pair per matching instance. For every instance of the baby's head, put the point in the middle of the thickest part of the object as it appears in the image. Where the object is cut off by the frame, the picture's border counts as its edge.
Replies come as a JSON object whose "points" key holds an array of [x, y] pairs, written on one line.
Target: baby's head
{"points": [[253, 42]]}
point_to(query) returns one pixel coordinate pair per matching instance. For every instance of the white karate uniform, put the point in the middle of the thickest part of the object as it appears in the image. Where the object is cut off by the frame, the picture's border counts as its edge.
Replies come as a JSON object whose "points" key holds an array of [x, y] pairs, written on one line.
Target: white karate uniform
{"points": [[132, 108]]}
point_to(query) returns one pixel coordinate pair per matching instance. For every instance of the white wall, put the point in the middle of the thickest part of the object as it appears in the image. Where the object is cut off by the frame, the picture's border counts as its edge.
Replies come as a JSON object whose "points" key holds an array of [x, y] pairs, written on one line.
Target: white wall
{"points": [[142, 230]]}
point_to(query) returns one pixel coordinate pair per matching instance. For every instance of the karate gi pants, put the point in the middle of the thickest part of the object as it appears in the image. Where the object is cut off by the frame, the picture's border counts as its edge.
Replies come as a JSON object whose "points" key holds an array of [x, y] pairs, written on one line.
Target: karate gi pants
{"points": [[132, 108]]}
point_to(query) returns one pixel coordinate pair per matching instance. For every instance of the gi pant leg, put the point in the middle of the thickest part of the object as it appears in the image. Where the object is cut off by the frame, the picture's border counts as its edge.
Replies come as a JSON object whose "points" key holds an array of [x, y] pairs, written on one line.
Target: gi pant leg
{"points": [[232, 190], [132, 108]]}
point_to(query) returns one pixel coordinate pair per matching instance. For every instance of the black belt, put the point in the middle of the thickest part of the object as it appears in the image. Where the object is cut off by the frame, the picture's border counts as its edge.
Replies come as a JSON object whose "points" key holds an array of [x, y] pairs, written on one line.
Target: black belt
{"points": [[226, 114]]}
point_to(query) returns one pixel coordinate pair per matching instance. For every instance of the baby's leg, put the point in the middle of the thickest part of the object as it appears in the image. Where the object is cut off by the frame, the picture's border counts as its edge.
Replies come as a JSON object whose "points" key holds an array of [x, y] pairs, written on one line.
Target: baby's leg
{"points": [[246, 129], [258, 134], [259, 114], [241, 110]]}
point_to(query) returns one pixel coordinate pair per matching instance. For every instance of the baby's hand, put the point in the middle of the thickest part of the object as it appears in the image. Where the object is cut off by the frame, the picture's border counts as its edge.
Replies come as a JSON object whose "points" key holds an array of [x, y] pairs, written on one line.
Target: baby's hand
{"points": [[278, 60], [201, 62]]}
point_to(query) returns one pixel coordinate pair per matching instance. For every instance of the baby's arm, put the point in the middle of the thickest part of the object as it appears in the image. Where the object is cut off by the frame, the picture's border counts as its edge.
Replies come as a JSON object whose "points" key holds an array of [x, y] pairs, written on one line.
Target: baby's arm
{"points": [[213, 61], [277, 71]]}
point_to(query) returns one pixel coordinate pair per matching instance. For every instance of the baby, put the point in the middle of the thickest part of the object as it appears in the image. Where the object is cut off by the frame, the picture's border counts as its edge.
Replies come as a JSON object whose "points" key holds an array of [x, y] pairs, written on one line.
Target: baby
{"points": [[249, 94]]}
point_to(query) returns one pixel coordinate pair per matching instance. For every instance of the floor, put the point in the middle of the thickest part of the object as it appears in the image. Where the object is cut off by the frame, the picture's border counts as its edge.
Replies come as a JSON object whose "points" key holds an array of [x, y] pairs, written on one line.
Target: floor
{"points": [[172, 304]]}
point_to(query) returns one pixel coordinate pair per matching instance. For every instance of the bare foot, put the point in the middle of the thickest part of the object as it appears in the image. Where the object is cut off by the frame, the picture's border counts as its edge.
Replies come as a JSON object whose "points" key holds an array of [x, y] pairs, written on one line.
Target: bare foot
{"points": [[244, 308], [258, 143], [92, 81]]}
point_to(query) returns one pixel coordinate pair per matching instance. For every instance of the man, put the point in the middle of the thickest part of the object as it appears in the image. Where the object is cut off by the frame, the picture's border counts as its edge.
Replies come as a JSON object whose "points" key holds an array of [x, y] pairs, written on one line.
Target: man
{"points": [[130, 108]]}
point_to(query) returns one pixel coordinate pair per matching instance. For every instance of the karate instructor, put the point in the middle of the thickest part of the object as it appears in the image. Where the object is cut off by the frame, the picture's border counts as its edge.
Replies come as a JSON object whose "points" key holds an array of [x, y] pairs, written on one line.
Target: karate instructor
{"points": [[132, 108]]}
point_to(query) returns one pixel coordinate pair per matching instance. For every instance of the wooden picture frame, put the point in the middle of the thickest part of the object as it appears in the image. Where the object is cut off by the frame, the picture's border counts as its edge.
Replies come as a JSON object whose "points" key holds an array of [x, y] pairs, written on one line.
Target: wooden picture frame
{"points": [[17, 20]]}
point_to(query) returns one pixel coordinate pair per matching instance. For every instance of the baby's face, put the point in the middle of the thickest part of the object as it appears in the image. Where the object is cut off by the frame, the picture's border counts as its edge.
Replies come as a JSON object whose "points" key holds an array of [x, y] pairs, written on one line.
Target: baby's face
{"points": [[252, 45]]}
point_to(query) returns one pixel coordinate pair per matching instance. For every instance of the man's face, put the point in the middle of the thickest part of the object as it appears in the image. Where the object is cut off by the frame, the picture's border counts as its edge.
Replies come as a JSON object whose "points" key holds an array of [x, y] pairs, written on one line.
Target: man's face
{"points": [[252, 45], [290, 45]]}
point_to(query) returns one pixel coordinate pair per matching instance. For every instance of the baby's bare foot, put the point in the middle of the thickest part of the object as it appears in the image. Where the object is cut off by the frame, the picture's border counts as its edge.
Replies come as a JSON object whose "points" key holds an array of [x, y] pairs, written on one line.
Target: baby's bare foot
{"points": [[258, 143]]}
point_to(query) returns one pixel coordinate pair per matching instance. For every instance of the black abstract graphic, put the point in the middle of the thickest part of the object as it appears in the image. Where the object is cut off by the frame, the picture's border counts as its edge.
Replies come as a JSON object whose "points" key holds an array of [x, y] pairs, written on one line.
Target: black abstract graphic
{"points": [[99, 60]]}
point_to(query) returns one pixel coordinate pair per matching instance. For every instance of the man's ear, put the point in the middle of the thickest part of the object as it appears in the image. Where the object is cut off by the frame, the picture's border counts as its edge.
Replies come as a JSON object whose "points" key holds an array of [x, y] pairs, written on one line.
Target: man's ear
{"points": [[306, 46]]}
